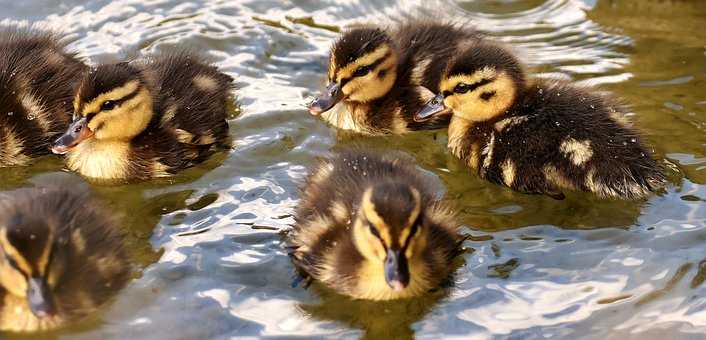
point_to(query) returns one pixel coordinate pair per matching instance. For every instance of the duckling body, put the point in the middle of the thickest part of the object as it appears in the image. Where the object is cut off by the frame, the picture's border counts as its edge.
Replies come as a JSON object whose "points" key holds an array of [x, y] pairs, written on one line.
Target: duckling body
{"points": [[371, 227], [61, 258], [381, 78], [37, 79], [541, 136], [147, 119]]}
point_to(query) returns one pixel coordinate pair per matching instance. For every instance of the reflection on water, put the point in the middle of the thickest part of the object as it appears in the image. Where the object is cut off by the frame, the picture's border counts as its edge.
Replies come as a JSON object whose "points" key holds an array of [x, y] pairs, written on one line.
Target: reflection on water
{"points": [[208, 242]]}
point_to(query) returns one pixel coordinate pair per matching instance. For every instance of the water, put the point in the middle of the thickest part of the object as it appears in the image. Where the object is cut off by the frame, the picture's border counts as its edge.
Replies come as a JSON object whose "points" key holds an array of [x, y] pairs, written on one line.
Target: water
{"points": [[207, 244]]}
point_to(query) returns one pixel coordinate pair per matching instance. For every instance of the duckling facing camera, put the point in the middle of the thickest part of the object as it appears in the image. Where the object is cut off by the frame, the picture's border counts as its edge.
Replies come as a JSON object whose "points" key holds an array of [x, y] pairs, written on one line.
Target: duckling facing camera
{"points": [[540, 136], [383, 78], [371, 226], [147, 119], [61, 258], [37, 80]]}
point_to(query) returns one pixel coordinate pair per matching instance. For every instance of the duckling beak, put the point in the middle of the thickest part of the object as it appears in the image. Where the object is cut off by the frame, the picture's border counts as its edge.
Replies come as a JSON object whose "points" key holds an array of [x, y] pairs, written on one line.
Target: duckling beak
{"points": [[396, 270], [326, 100], [434, 106], [77, 133], [39, 298]]}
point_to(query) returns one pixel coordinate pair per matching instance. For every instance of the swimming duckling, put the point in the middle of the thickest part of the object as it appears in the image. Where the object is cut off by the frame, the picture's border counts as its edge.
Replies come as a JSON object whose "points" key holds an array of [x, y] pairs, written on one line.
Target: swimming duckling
{"points": [[371, 227], [540, 136], [37, 79], [61, 258], [138, 121], [383, 78]]}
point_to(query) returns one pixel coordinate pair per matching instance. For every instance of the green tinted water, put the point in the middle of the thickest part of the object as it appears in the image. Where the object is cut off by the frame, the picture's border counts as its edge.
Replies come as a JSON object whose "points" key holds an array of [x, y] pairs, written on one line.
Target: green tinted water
{"points": [[207, 243]]}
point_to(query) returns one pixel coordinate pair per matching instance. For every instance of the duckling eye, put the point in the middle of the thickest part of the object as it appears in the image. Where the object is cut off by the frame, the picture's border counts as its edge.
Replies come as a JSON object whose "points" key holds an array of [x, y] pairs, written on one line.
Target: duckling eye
{"points": [[461, 88], [374, 231], [361, 71], [13, 263], [108, 105]]}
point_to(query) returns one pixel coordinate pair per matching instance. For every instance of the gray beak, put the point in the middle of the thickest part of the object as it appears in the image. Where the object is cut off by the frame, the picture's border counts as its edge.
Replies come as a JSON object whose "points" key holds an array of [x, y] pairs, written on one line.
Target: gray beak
{"points": [[433, 107], [326, 100], [39, 298]]}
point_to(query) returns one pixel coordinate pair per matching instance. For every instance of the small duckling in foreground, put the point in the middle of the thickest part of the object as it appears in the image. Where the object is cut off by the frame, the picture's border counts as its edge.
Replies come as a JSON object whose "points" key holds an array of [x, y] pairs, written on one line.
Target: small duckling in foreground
{"points": [[37, 79], [141, 120], [61, 258], [371, 227], [383, 78], [540, 136]]}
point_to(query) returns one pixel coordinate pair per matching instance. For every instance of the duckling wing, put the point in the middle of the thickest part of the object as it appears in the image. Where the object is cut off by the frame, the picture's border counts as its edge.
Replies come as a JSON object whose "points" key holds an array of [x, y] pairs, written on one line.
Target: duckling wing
{"points": [[192, 98]]}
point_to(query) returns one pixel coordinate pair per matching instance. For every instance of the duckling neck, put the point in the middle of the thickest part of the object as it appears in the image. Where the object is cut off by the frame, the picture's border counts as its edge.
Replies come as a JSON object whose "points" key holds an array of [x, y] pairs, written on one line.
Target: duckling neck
{"points": [[105, 159], [466, 139]]}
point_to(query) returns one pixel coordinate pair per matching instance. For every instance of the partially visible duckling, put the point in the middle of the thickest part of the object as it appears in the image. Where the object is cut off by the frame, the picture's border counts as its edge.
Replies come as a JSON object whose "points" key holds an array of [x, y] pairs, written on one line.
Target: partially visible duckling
{"points": [[61, 258], [383, 78], [37, 79], [540, 136], [141, 120], [371, 226]]}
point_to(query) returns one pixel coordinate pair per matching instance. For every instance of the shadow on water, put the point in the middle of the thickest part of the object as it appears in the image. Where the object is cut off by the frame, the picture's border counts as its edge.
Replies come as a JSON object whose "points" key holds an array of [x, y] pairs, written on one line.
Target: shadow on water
{"points": [[206, 243]]}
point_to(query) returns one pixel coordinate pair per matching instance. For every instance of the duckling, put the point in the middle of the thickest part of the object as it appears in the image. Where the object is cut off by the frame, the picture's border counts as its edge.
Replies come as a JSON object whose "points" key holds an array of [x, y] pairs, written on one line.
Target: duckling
{"points": [[37, 79], [540, 136], [383, 78], [371, 226], [61, 258], [140, 120]]}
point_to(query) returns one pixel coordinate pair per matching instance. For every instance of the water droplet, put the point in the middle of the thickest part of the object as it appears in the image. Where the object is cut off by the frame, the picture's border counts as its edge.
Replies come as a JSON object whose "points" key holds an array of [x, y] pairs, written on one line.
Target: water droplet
{"points": [[593, 106], [10, 113], [633, 140], [31, 116]]}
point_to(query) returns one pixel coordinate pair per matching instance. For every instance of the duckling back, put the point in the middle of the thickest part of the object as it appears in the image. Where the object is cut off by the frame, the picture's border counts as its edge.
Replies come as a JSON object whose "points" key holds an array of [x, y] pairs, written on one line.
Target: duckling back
{"points": [[582, 140], [77, 242], [190, 111], [37, 77]]}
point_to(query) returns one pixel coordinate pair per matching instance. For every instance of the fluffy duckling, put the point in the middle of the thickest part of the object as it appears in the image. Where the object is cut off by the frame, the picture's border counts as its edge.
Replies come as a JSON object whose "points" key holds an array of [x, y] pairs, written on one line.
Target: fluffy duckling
{"points": [[37, 79], [371, 227], [138, 121], [383, 78], [540, 136], [61, 258]]}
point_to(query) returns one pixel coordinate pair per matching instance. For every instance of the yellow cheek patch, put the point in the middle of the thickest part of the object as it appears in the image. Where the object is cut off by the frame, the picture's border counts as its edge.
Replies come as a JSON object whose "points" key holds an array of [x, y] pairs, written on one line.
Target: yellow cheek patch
{"points": [[366, 59], [116, 94]]}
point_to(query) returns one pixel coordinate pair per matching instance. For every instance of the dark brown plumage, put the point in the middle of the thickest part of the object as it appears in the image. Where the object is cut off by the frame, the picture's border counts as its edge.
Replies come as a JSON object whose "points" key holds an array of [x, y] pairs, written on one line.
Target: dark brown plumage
{"points": [[355, 207], [37, 80], [542, 136], [166, 113], [383, 76], [61, 258]]}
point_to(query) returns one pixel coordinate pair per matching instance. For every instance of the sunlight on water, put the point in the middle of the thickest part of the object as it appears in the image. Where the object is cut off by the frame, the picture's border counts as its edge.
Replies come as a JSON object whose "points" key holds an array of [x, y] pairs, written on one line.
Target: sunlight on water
{"points": [[208, 242]]}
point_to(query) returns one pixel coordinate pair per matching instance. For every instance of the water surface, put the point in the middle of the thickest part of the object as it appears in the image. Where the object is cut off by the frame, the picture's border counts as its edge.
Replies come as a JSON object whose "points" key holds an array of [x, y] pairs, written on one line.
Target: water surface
{"points": [[209, 260]]}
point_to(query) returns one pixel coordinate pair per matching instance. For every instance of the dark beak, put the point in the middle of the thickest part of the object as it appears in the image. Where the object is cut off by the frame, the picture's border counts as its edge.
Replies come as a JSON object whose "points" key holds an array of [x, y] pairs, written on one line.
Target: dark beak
{"points": [[77, 133], [433, 107], [39, 298], [326, 100], [396, 270]]}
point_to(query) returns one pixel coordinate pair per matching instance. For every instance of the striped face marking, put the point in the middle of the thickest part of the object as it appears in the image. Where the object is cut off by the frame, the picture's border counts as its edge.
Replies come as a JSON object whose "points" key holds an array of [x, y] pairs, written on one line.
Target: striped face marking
{"points": [[119, 114], [369, 77], [480, 96]]}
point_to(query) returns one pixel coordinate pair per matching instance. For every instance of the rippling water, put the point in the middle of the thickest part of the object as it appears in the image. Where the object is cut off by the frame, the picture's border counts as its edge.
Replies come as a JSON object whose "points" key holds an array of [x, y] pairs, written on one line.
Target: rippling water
{"points": [[207, 244]]}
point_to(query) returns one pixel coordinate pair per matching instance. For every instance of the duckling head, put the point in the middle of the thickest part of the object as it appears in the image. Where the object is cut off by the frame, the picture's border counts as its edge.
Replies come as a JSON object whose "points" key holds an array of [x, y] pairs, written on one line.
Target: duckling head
{"points": [[112, 103], [362, 68], [30, 263], [387, 232], [479, 85]]}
